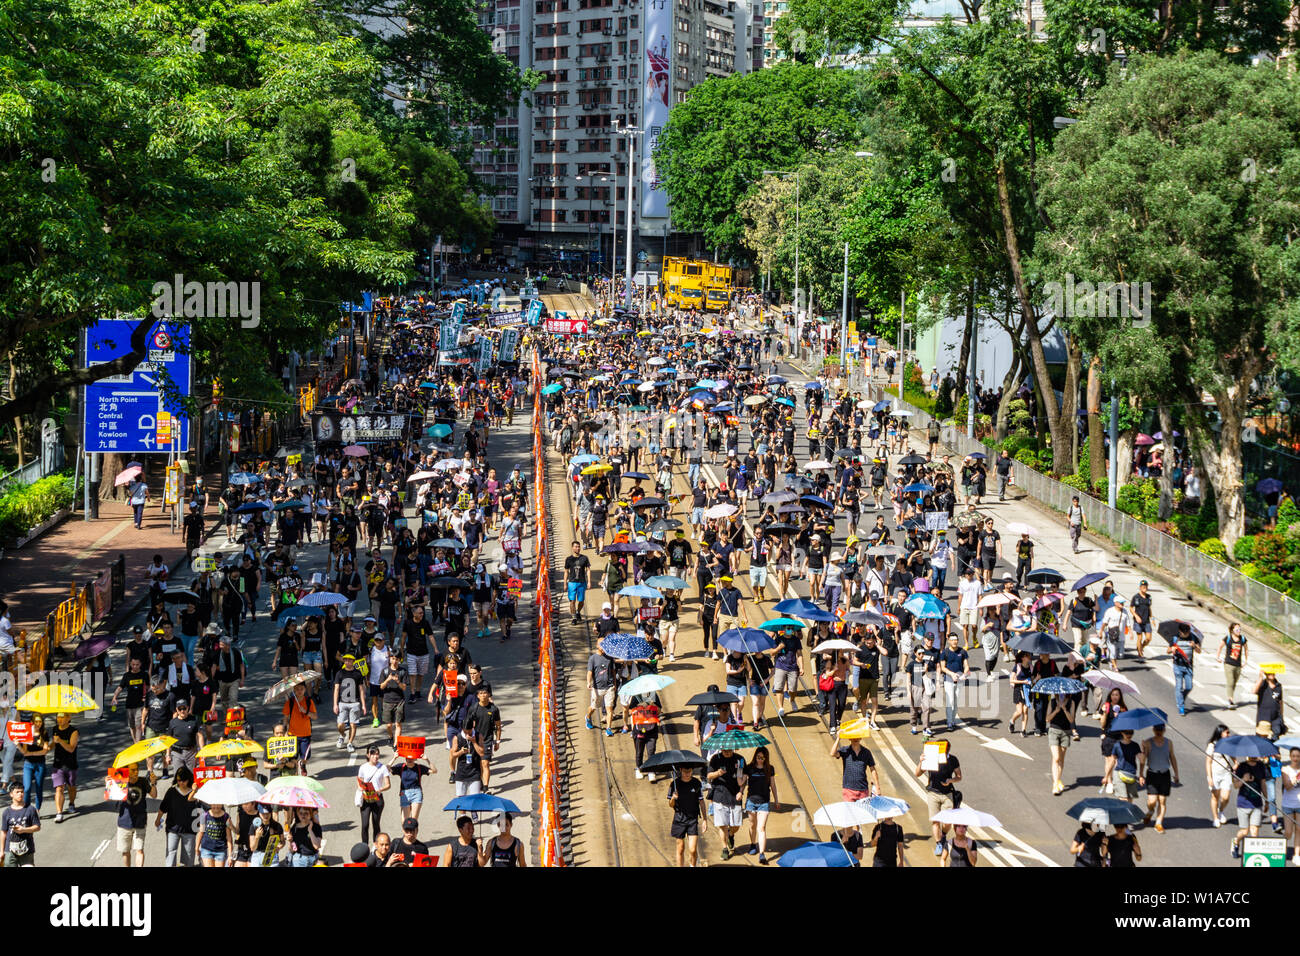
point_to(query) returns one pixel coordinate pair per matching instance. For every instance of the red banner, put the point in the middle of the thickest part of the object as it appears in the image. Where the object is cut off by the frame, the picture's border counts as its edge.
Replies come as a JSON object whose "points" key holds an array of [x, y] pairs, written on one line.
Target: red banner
{"points": [[20, 731], [566, 326], [412, 747]]}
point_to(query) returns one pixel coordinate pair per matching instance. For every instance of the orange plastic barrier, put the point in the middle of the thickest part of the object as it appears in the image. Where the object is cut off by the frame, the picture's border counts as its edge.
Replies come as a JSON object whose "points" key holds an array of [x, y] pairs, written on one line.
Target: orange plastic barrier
{"points": [[548, 772]]}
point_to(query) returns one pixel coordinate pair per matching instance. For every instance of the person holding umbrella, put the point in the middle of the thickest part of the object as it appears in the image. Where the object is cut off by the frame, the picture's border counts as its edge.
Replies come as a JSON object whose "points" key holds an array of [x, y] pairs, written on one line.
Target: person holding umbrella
{"points": [[686, 797], [1060, 723], [1126, 752], [727, 774], [1249, 776], [1121, 849]]}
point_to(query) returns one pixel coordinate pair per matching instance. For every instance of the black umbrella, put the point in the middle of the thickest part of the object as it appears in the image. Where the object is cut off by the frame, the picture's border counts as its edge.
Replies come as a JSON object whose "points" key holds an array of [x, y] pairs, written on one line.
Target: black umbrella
{"points": [[864, 616], [451, 582], [711, 698], [847, 453], [650, 503], [778, 498], [1036, 642], [672, 759], [781, 527], [180, 597], [1044, 576], [299, 483], [665, 524], [1169, 631], [912, 460]]}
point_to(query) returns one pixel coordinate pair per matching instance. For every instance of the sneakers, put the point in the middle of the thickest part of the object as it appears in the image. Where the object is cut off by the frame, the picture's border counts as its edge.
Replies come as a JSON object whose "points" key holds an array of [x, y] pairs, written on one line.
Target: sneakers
{"points": [[1236, 850], [914, 730], [873, 725], [340, 741], [1277, 826], [928, 732], [753, 849], [938, 848], [726, 853], [375, 722], [1216, 823], [58, 818], [651, 776], [780, 711], [640, 775], [1160, 828], [762, 858], [590, 725], [352, 748], [1222, 818], [609, 731]]}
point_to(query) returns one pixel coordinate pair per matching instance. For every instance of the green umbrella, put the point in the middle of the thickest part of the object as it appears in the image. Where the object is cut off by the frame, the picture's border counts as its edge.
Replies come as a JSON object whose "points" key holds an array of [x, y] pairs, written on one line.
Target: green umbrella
{"points": [[438, 431], [735, 740], [296, 780], [291, 503], [552, 389]]}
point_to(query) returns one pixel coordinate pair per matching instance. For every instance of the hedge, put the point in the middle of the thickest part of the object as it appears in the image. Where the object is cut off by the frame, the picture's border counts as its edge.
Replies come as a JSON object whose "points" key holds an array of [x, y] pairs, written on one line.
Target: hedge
{"points": [[24, 506]]}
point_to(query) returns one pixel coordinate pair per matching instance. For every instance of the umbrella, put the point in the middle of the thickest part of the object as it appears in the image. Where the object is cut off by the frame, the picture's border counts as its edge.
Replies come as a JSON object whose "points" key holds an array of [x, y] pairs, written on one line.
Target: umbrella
{"points": [[672, 759], [282, 689], [669, 582], [581, 460], [1138, 718], [776, 623], [781, 527], [968, 517], [597, 469], [641, 475], [1044, 576], [233, 747], [650, 503], [322, 599], [755, 400], [735, 740], [291, 503], [94, 646], [911, 460], [889, 552], [447, 464], [926, 606], [818, 465], [777, 380], [1143, 439], [297, 780], [1265, 486], [818, 854], [721, 511], [482, 803], [447, 582], [1169, 630], [355, 451], [966, 817], [143, 751], [640, 591], [846, 814], [884, 807], [626, 647], [622, 547], [1241, 746], [552, 388], [1106, 680], [1037, 642], [422, 476], [1019, 527], [1091, 578], [126, 474], [55, 699], [645, 684], [253, 506], [665, 524], [281, 796], [243, 478], [785, 401], [453, 543], [778, 498], [791, 510], [299, 483], [1046, 600], [1105, 811], [746, 640], [836, 644], [813, 386], [920, 487], [816, 500], [996, 598], [231, 791], [298, 610], [711, 698], [1288, 742], [1058, 685], [866, 616]]}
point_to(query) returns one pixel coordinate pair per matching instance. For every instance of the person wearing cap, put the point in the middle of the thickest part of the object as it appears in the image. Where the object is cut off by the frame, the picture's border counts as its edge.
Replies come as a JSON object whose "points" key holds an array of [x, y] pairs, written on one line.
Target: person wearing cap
{"points": [[1113, 627], [378, 645], [266, 837], [731, 611], [136, 683], [349, 702], [1140, 609]]}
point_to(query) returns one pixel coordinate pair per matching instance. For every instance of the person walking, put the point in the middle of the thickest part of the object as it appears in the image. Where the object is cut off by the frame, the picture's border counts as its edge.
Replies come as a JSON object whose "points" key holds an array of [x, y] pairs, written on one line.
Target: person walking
{"points": [[1060, 724], [1182, 652], [954, 663], [686, 797], [1121, 849], [373, 780], [1155, 767], [1232, 654], [940, 791], [1268, 706], [760, 798], [1075, 522]]}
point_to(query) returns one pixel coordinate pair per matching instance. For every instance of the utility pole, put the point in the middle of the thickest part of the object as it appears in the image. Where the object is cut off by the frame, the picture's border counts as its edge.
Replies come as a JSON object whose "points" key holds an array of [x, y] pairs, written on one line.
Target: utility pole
{"points": [[970, 372], [844, 315], [902, 338], [631, 135]]}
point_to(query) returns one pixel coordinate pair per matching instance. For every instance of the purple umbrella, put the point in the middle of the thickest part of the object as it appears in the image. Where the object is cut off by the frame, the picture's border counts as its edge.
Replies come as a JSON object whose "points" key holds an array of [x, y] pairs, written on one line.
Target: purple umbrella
{"points": [[1268, 486], [1144, 440], [94, 646]]}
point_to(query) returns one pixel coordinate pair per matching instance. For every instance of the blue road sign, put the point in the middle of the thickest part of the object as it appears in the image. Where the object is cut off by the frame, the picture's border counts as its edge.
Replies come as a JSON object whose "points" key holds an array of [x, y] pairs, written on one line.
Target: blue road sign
{"points": [[121, 411]]}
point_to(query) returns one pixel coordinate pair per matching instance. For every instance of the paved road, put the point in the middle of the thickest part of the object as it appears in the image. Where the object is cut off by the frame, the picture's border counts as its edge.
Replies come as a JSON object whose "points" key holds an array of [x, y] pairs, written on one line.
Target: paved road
{"points": [[86, 838]]}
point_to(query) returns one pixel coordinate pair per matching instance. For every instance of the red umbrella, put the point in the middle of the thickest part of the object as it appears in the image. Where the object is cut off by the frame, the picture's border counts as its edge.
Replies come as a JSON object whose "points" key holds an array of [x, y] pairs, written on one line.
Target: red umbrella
{"points": [[355, 451], [126, 474]]}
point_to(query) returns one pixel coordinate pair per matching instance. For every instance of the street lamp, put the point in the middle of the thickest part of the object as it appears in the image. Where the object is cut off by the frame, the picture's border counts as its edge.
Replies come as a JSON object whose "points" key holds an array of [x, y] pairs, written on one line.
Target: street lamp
{"points": [[590, 198], [631, 133]]}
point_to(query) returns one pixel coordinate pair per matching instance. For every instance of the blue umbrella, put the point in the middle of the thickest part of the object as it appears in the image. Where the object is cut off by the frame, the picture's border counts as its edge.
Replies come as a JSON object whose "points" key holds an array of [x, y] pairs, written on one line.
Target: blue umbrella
{"points": [[1058, 685], [627, 647], [724, 407], [977, 454], [438, 431], [785, 401], [920, 487], [885, 807], [552, 389], [1045, 576], [621, 547], [482, 803], [704, 383], [926, 605], [882, 406], [243, 478], [636, 474], [645, 684], [253, 506], [816, 500], [796, 606], [746, 640], [777, 380], [298, 610], [1240, 746], [1138, 718], [1268, 486], [1087, 579], [776, 623], [813, 386], [1037, 642], [640, 591], [818, 854], [584, 459], [669, 582]]}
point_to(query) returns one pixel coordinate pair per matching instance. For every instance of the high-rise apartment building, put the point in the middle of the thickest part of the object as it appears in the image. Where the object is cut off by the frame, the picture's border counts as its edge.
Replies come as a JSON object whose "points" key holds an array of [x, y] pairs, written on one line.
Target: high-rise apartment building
{"points": [[559, 167]]}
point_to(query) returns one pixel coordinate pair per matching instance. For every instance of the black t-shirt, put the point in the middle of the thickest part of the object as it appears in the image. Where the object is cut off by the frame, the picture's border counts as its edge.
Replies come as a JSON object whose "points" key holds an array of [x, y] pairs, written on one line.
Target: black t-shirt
{"points": [[868, 659], [484, 720], [679, 552], [349, 684], [159, 710], [855, 767], [417, 637], [689, 794], [1090, 855], [601, 669], [185, 730], [406, 851], [135, 685], [393, 693], [139, 651], [182, 813], [133, 811], [940, 781], [576, 567], [727, 787], [890, 835]]}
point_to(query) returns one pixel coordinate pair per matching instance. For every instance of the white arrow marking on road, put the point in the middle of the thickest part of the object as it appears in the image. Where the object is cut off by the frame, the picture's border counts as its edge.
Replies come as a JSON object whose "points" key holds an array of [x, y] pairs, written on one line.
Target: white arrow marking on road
{"points": [[1005, 746]]}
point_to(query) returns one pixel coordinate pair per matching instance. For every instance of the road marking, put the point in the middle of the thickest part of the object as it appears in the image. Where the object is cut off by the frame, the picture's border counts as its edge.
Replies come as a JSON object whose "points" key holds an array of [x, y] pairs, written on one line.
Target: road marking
{"points": [[1004, 746], [99, 850]]}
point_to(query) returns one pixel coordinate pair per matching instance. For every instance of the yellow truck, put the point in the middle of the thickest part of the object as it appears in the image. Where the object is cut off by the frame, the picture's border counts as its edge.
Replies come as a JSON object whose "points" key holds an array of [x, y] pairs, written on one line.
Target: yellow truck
{"points": [[696, 284]]}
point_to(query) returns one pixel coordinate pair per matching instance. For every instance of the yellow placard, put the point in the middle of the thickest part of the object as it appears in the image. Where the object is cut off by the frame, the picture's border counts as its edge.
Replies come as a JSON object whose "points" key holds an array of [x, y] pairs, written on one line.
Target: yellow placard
{"points": [[281, 748], [293, 460], [1273, 667]]}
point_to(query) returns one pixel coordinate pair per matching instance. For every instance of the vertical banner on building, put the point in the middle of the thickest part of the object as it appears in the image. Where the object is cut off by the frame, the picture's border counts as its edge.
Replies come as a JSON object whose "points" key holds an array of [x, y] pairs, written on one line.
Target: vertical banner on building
{"points": [[658, 96], [509, 340]]}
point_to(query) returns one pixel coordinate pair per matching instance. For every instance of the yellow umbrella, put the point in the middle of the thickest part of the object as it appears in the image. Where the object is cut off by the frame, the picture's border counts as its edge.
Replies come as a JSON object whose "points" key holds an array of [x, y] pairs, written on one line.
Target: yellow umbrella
{"points": [[597, 469], [605, 322], [55, 699], [858, 729], [644, 332], [143, 751], [231, 748]]}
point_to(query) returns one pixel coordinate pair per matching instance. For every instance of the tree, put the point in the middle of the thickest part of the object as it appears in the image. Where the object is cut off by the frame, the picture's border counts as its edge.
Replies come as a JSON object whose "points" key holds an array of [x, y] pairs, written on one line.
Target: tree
{"points": [[717, 143], [1182, 179]]}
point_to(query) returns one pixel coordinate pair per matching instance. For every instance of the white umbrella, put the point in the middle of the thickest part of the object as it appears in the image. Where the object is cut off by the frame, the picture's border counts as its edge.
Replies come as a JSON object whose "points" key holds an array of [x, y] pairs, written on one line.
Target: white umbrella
{"points": [[646, 387], [322, 599], [755, 400], [231, 791], [447, 464], [657, 361], [865, 404], [846, 814], [1019, 527], [1106, 680], [967, 817], [996, 598], [721, 511], [836, 644], [819, 465], [421, 476], [900, 413]]}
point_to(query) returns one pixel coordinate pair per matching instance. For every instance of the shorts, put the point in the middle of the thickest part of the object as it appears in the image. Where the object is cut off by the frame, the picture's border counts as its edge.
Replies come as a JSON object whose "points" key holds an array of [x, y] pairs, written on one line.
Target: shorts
{"points": [[417, 664], [412, 795], [783, 681], [64, 777], [577, 591], [757, 690], [683, 827], [1158, 782], [989, 561], [1058, 737], [311, 657], [697, 517], [868, 686], [218, 855], [1221, 782], [752, 806], [1143, 628], [849, 795], [758, 577], [968, 617], [728, 816], [726, 622], [737, 689], [349, 714], [606, 695], [1249, 817], [1129, 787], [128, 840], [936, 803], [375, 692], [134, 716], [393, 711], [15, 860]]}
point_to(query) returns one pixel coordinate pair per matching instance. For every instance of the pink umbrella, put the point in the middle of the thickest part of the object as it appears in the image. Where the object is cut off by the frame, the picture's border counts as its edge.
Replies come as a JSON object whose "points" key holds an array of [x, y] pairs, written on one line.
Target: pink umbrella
{"points": [[355, 451], [1144, 439], [293, 797], [921, 586], [126, 474], [422, 475], [1045, 600], [996, 598]]}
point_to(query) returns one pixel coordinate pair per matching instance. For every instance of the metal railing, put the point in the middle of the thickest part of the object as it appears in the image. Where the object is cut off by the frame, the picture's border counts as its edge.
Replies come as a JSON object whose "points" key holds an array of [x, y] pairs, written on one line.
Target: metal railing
{"points": [[1257, 600]]}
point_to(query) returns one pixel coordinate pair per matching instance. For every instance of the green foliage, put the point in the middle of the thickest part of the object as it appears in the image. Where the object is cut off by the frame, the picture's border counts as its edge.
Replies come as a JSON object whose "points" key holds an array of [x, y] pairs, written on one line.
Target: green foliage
{"points": [[1274, 581], [1077, 482], [1287, 515], [1102, 489], [1215, 549], [1250, 569], [22, 506], [1293, 538], [1244, 549], [1018, 416], [1270, 551], [1140, 497]]}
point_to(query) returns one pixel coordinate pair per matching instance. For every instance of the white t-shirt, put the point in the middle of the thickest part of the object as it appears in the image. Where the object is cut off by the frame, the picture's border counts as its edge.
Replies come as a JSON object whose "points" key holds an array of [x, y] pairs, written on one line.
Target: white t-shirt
{"points": [[374, 775], [1291, 798], [969, 590]]}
